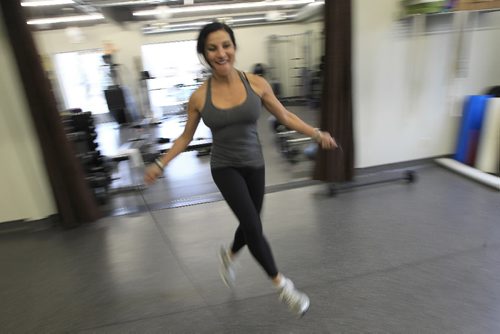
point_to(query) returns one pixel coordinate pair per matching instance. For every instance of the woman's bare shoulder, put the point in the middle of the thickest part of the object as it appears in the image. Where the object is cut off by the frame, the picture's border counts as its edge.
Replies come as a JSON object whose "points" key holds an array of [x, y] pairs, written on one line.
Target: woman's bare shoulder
{"points": [[198, 97], [258, 83]]}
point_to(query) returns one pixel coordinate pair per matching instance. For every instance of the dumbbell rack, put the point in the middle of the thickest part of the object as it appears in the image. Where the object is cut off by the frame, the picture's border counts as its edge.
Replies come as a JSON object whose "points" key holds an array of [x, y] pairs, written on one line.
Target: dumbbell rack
{"points": [[80, 131]]}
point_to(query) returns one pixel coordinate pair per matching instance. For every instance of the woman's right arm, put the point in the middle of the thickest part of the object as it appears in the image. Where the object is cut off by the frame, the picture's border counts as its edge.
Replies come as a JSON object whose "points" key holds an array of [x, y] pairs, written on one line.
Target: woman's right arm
{"points": [[153, 171]]}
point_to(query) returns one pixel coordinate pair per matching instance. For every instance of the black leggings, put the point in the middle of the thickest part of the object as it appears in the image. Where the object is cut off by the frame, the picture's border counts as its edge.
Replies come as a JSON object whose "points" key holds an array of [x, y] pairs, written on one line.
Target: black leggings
{"points": [[243, 190]]}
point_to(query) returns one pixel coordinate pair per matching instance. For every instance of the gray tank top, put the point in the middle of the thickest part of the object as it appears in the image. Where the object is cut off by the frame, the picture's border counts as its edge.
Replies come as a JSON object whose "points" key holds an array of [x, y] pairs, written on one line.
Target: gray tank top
{"points": [[235, 141]]}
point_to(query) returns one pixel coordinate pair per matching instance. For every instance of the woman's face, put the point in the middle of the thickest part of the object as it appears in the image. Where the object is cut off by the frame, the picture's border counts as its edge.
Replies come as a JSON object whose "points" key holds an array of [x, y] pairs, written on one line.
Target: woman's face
{"points": [[220, 52]]}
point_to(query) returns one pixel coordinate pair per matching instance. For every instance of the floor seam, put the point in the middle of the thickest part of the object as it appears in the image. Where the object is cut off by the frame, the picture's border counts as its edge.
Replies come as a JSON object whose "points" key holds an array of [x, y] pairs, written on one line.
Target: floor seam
{"points": [[167, 243]]}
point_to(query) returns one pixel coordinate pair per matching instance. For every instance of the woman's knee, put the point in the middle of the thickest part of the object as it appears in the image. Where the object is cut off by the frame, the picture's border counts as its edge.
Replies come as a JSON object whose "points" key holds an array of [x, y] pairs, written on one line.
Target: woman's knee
{"points": [[252, 231]]}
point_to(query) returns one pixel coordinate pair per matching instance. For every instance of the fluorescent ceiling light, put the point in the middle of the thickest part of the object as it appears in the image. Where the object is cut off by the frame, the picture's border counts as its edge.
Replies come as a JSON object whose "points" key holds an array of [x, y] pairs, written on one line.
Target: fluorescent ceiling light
{"points": [[131, 3], [187, 25], [258, 19], [246, 5], [46, 3], [247, 19], [149, 30], [175, 27], [66, 19]]}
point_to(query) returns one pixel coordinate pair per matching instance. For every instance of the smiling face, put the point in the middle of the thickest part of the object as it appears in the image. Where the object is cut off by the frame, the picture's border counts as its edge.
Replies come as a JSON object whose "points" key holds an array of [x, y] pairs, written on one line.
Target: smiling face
{"points": [[220, 52]]}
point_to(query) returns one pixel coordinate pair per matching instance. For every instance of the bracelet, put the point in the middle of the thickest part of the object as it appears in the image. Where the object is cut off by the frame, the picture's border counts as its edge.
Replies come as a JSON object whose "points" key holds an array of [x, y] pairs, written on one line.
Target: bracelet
{"points": [[317, 135], [159, 164]]}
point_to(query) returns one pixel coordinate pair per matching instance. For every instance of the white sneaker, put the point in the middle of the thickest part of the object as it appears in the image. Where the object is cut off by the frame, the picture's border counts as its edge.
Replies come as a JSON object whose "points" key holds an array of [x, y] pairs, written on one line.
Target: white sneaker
{"points": [[297, 301], [226, 270]]}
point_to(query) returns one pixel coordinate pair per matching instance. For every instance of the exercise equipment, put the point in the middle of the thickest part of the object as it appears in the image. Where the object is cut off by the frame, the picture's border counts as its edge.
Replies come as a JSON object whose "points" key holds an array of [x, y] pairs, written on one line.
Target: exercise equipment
{"points": [[290, 59], [259, 69], [81, 132], [203, 146], [118, 97], [115, 100], [408, 176], [148, 119], [478, 143], [470, 128], [316, 85], [493, 91], [470, 172], [293, 147]]}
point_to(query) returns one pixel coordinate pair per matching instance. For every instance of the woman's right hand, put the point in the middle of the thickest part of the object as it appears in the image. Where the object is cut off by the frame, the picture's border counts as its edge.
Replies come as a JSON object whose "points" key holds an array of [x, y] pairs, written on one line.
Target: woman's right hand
{"points": [[152, 172], [326, 141]]}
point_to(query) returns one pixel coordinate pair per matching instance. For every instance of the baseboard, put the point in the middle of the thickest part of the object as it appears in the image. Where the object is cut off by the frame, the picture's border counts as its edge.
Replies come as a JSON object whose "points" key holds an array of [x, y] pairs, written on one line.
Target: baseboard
{"points": [[29, 226], [410, 164]]}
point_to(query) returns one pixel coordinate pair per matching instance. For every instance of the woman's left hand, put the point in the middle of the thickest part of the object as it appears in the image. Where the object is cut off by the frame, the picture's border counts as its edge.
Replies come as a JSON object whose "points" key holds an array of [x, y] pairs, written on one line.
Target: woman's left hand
{"points": [[326, 141]]}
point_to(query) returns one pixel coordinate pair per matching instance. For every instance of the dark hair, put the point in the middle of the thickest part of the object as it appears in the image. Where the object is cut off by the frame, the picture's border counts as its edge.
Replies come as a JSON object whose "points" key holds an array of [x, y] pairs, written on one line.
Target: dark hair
{"points": [[208, 29]]}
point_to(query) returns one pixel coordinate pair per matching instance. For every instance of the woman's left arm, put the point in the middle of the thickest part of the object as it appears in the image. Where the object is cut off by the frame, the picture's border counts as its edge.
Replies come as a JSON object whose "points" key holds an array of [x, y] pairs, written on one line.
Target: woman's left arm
{"points": [[287, 118]]}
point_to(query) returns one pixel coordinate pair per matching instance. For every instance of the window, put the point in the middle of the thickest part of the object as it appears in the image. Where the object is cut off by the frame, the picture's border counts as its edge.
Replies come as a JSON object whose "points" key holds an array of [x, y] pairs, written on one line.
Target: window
{"points": [[176, 71], [80, 75]]}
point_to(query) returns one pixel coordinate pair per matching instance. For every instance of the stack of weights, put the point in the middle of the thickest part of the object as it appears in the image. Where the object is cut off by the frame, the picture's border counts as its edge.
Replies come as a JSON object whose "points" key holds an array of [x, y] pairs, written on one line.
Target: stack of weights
{"points": [[80, 131]]}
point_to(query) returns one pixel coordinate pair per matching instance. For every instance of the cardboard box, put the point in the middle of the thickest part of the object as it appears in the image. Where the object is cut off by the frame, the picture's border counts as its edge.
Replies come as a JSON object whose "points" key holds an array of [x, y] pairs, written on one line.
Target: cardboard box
{"points": [[477, 4]]}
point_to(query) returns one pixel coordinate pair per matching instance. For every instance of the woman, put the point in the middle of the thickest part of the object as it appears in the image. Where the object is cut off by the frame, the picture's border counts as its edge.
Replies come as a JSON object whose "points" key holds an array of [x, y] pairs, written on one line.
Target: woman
{"points": [[230, 103]]}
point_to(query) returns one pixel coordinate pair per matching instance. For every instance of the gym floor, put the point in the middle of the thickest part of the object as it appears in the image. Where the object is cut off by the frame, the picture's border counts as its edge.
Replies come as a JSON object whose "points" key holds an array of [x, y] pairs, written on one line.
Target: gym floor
{"points": [[387, 258]]}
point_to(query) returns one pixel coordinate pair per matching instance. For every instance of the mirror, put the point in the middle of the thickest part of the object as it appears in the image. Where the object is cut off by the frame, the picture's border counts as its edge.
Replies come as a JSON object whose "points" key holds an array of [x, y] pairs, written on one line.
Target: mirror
{"points": [[146, 75]]}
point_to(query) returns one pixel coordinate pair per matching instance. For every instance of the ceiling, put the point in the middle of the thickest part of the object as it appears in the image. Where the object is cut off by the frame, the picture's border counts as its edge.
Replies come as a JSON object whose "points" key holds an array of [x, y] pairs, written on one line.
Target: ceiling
{"points": [[160, 16]]}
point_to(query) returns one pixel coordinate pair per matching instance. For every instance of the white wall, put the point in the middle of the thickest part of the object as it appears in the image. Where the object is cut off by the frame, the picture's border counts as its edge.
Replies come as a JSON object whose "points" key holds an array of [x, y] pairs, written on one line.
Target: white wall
{"points": [[401, 84], [25, 192]]}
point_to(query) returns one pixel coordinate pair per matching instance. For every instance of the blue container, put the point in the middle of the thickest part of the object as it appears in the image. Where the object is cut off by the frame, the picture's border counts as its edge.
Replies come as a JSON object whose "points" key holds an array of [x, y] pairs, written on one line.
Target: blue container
{"points": [[470, 128]]}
